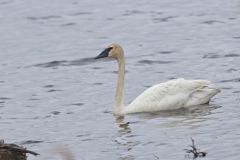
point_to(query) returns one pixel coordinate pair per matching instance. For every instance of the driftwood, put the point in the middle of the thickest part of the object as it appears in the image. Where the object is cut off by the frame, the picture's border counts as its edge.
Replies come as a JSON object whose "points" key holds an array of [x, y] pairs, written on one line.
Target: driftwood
{"points": [[13, 152]]}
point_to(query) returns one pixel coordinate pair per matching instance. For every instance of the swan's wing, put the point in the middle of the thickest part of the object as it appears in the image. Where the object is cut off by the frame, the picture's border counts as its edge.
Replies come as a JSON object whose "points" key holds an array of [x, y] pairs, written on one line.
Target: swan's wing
{"points": [[169, 95], [201, 96]]}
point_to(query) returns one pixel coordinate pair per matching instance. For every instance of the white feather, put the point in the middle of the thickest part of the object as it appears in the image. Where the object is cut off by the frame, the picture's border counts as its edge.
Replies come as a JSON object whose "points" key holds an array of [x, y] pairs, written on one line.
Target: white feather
{"points": [[174, 94]]}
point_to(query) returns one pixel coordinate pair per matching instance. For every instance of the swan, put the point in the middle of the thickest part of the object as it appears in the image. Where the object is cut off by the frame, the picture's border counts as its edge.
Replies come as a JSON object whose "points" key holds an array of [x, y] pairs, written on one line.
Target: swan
{"points": [[171, 95]]}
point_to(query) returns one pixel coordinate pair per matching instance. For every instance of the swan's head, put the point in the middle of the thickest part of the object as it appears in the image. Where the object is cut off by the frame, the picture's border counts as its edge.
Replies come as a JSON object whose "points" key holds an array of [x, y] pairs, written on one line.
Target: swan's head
{"points": [[113, 51]]}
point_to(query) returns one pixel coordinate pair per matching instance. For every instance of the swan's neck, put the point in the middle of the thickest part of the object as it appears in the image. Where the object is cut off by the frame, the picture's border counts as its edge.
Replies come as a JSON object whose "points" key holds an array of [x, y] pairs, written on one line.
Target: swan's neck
{"points": [[119, 97]]}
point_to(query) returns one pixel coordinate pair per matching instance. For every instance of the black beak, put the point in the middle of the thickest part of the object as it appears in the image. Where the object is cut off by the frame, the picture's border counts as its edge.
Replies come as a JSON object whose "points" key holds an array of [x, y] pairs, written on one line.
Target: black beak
{"points": [[104, 53]]}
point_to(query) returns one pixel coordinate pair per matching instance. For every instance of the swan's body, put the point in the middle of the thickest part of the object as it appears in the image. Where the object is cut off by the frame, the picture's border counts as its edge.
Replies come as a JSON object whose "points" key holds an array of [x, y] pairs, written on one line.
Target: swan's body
{"points": [[173, 94]]}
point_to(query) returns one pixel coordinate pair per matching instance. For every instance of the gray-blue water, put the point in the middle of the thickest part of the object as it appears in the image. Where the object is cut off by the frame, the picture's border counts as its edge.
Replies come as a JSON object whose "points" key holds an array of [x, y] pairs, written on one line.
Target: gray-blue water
{"points": [[53, 93]]}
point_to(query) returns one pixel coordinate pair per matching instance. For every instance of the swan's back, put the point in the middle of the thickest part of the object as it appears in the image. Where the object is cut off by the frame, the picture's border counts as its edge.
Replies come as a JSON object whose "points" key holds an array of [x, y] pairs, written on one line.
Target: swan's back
{"points": [[174, 94]]}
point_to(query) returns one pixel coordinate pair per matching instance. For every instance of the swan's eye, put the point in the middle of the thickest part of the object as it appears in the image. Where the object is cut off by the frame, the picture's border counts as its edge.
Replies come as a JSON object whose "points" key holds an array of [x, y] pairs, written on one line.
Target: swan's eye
{"points": [[104, 53]]}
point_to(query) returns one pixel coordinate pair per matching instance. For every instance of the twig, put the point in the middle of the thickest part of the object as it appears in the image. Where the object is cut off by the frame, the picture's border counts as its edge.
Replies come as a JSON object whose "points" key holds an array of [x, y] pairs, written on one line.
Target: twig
{"points": [[196, 152]]}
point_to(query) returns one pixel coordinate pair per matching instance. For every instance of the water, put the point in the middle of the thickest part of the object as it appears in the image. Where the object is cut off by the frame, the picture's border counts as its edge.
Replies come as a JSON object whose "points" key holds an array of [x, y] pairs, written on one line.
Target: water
{"points": [[53, 93]]}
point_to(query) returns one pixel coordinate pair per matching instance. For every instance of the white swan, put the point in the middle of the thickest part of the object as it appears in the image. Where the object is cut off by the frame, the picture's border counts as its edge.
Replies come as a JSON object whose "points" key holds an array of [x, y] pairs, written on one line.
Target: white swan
{"points": [[174, 94]]}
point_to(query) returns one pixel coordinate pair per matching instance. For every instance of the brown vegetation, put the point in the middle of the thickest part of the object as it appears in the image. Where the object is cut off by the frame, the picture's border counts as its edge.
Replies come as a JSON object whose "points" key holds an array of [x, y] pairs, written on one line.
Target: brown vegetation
{"points": [[13, 152]]}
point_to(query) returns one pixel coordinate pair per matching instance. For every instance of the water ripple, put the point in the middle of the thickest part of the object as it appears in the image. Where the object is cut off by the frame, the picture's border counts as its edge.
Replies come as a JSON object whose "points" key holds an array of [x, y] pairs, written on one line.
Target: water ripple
{"points": [[211, 22], [166, 52], [215, 55], [211, 55], [236, 37], [80, 13], [78, 62], [232, 55], [132, 12], [231, 80], [43, 18], [164, 19], [69, 24], [48, 86], [54, 90], [4, 3], [51, 64], [4, 98], [78, 104], [154, 62], [30, 142]]}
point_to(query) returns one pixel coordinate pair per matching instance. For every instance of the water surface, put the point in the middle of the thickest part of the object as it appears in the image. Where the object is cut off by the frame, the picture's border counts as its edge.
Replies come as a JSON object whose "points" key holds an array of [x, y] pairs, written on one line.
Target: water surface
{"points": [[52, 92]]}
